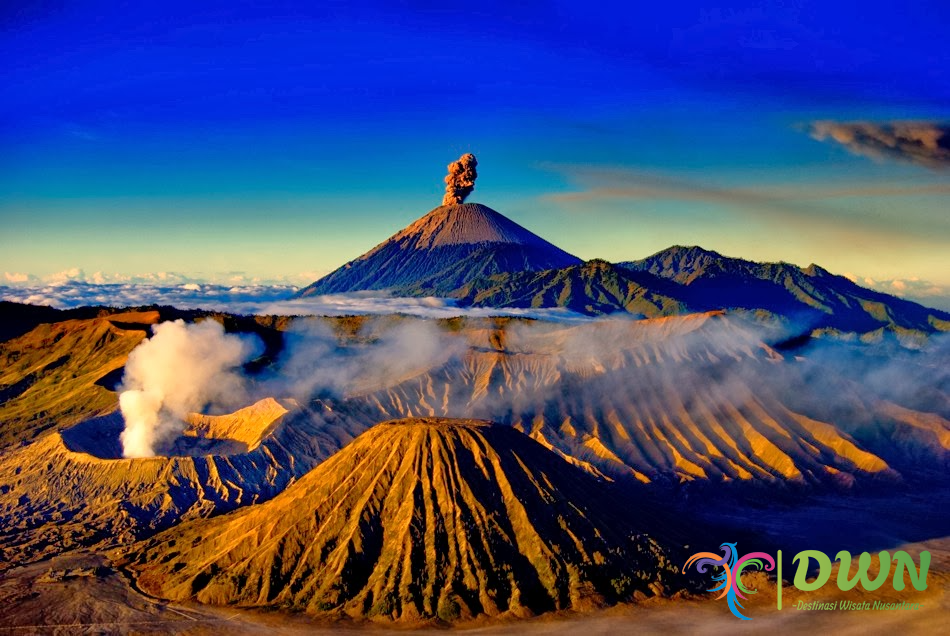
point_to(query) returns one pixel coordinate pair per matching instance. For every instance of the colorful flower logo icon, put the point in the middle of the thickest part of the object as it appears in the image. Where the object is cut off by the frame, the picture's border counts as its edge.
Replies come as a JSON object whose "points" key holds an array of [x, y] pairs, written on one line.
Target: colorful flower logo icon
{"points": [[730, 577]]}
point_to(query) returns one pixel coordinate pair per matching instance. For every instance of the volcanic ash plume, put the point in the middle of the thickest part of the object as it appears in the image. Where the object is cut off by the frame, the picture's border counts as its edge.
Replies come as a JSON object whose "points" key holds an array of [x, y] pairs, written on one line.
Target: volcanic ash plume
{"points": [[181, 369], [460, 181]]}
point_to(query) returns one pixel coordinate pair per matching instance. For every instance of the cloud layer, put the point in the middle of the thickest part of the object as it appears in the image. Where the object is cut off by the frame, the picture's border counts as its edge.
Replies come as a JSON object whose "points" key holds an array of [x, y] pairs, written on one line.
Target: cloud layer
{"points": [[76, 293], [922, 143], [227, 279], [255, 299], [826, 212]]}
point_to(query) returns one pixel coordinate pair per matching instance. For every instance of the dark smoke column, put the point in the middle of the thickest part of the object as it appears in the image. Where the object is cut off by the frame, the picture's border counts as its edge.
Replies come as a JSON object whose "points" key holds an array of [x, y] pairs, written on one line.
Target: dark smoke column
{"points": [[460, 181]]}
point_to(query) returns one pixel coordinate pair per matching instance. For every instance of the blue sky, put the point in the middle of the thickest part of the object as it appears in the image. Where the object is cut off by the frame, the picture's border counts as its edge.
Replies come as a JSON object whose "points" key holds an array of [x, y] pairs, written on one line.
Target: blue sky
{"points": [[281, 141]]}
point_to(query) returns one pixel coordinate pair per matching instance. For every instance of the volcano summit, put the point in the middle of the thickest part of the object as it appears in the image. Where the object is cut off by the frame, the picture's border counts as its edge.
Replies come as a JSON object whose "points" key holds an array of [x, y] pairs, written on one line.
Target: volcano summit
{"points": [[451, 245]]}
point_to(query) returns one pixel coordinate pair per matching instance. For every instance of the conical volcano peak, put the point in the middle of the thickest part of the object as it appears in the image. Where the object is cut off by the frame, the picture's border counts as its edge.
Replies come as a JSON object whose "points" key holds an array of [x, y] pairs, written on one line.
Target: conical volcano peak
{"points": [[467, 224], [451, 246], [418, 519], [442, 251]]}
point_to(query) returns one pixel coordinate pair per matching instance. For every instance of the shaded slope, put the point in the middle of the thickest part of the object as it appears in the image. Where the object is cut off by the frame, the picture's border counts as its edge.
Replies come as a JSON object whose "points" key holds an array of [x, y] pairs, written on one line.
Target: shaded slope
{"points": [[890, 399], [419, 519], [593, 288], [17, 319], [693, 398], [811, 295], [444, 249], [53, 376]]}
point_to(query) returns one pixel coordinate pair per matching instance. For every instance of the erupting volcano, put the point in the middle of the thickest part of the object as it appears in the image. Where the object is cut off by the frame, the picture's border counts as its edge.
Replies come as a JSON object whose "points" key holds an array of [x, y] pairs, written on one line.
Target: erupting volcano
{"points": [[453, 244]]}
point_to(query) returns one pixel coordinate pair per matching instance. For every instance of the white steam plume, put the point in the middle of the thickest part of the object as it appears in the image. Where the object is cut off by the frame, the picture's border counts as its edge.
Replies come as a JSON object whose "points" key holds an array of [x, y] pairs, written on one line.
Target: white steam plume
{"points": [[181, 369], [314, 362]]}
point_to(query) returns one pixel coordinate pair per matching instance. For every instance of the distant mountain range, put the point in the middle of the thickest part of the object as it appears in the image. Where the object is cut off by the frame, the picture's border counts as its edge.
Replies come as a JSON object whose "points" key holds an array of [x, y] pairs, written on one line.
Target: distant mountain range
{"points": [[519, 467], [481, 258]]}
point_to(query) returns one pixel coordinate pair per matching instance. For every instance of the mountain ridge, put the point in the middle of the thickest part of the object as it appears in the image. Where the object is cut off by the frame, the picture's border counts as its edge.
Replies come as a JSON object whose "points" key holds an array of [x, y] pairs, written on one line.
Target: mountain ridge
{"points": [[811, 295], [594, 287]]}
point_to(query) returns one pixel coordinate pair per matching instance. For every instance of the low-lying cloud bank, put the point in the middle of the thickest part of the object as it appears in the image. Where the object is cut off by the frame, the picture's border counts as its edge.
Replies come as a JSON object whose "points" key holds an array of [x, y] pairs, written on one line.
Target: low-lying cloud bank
{"points": [[167, 279], [185, 295], [277, 299], [255, 299]]}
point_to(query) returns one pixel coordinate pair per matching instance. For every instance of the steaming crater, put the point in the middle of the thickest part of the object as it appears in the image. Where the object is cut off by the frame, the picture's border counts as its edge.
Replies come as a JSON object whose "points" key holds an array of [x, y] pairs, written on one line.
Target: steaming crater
{"points": [[234, 433], [78, 479]]}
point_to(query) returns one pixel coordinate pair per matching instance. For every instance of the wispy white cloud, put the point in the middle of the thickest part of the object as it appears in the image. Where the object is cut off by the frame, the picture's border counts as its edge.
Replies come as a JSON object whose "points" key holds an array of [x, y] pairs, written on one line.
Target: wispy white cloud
{"points": [[73, 288], [232, 291], [802, 204], [19, 278], [373, 303]]}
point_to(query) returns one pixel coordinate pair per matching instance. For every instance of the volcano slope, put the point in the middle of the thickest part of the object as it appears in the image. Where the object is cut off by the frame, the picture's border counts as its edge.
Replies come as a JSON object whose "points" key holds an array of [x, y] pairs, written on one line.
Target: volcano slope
{"points": [[54, 375], [443, 250], [706, 280], [420, 519], [696, 398], [65, 369]]}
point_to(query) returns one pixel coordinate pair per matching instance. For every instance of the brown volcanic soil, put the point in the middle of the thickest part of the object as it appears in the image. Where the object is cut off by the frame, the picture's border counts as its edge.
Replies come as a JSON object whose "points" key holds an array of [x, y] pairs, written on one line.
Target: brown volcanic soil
{"points": [[53, 376], [443, 250], [420, 519], [650, 399]]}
